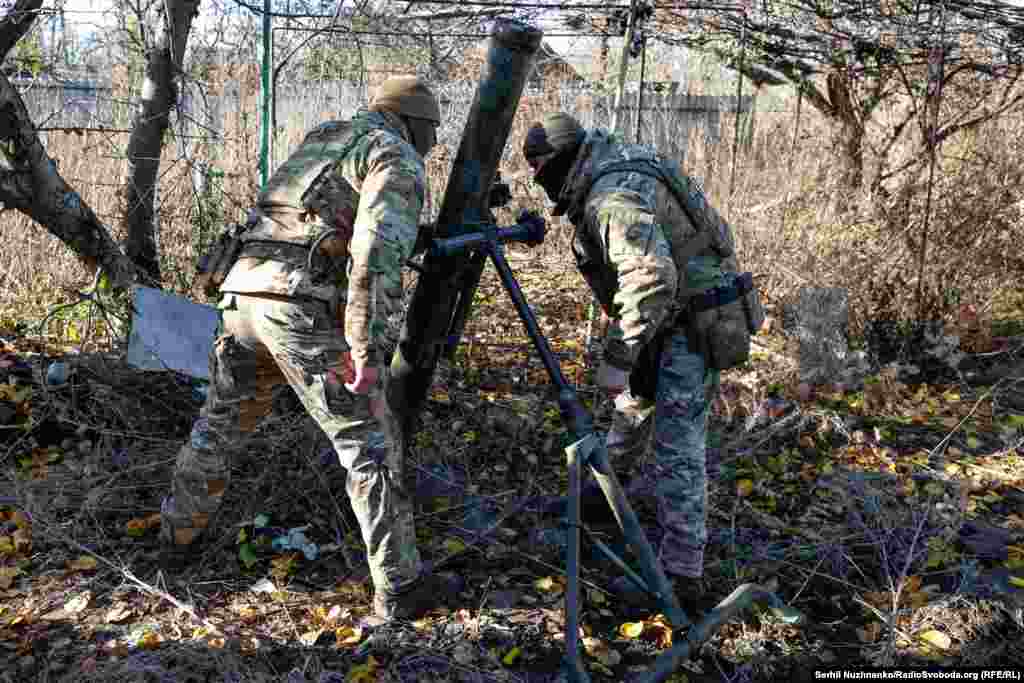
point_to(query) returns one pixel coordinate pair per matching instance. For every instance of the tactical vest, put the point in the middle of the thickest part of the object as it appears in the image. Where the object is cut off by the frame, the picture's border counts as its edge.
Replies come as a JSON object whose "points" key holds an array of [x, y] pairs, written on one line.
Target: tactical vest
{"points": [[719, 320], [286, 197]]}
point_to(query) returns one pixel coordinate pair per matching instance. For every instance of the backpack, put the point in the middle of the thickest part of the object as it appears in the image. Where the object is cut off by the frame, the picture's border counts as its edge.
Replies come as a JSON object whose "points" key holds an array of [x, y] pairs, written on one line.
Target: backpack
{"points": [[719, 321]]}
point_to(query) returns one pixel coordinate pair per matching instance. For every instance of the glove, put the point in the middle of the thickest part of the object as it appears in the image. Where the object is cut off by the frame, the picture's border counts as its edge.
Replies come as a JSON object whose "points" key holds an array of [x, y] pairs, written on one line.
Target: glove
{"points": [[536, 224], [611, 379]]}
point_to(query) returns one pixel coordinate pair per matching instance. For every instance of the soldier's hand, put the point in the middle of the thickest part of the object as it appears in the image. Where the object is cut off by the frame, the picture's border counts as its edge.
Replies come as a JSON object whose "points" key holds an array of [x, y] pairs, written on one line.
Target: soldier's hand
{"points": [[611, 379], [365, 379]]}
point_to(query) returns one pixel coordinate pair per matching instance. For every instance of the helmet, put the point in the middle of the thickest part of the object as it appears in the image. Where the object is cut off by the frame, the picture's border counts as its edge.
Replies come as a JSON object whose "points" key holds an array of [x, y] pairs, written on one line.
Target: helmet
{"points": [[407, 96], [554, 133]]}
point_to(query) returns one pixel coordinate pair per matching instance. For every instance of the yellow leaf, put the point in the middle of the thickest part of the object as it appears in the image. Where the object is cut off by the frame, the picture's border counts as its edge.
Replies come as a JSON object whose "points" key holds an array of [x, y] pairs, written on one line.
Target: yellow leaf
{"points": [[454, 545], [631, 629], [6, 545], [1017, 581], [20, 520], [937, 639], [150, 640], [546, 585], [348, 635], [511, 656], [7, 575], [364, 673], [84, 563], [744, 487]]}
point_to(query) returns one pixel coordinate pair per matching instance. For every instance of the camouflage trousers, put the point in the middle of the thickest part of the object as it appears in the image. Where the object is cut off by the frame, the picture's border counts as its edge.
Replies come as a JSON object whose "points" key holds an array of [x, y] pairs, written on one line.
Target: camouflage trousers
{"points": [[678, 419], [267, 341]]}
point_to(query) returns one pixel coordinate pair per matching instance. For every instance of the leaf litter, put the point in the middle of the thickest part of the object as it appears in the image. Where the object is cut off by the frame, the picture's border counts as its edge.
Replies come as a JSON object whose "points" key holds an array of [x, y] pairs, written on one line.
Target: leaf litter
{"points": [[919, 486]]}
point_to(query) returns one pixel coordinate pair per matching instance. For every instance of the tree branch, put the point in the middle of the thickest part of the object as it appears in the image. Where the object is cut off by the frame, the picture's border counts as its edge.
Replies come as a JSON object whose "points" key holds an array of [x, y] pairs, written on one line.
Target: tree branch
{"points": [[16, 23], [30, 182]]}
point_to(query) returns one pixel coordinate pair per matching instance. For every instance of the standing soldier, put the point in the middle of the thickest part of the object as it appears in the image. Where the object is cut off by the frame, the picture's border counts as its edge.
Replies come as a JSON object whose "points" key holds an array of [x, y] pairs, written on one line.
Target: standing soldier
{"points": [[314, 294], [634, 244]]}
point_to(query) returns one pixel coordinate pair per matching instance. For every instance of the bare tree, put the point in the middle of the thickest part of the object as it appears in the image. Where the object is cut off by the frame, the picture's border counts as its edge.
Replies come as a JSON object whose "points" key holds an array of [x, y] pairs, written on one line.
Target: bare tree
{"points": [[164, 56], [29, 179], [849, 57]]}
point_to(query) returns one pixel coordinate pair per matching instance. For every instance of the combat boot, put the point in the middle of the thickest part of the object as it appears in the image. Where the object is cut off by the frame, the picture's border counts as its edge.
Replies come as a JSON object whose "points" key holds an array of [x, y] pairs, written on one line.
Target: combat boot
{"points": [[412, 602]]}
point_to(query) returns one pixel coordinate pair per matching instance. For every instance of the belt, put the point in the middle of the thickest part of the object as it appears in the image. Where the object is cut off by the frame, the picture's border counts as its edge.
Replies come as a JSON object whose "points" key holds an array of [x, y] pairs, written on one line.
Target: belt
{"points": [[267, 250]]}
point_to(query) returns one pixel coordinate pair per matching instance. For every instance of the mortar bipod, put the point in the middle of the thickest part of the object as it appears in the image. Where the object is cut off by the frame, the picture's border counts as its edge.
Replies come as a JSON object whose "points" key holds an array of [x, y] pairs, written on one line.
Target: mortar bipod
{"points": [[587, 450]]}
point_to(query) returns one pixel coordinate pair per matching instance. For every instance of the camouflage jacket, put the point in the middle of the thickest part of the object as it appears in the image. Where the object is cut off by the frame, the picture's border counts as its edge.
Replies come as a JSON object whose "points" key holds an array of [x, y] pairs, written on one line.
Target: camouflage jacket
{"points": [[365, 179], [625, 226]]}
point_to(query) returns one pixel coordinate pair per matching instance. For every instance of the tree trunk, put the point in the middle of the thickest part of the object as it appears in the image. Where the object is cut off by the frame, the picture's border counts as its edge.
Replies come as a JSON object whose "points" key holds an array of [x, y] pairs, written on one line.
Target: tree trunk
{"points": [[29, 180], [847, 138], [159, 95]]}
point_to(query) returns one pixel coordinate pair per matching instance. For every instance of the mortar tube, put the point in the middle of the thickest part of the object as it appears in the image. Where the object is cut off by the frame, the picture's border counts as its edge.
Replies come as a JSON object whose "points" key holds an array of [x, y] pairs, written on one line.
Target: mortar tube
{"points": [[428, 325]]}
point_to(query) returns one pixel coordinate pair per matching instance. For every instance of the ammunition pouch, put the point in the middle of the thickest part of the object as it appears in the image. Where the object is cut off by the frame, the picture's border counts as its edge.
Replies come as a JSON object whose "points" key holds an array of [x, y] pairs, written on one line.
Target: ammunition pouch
{"points": [[721, 320]]}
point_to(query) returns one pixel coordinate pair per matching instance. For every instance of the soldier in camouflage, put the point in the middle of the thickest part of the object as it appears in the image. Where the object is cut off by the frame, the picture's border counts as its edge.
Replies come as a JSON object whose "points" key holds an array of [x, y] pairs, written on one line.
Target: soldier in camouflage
{"points": [[316, 295], [622, 247]]}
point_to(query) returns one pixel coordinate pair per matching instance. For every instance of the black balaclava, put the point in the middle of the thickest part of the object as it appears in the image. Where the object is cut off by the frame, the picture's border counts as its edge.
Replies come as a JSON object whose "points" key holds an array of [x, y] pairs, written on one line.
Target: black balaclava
{"points": [[553, 174]]}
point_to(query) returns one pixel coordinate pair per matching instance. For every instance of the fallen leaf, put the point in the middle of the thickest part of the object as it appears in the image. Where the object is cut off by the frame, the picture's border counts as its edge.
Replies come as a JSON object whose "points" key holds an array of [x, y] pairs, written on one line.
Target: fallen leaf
{"points": [[937, 639], [348, 635], [136, 527], [119, 612], [788, 615], [658, 631], [150, 640], [7, 575], [364, 673], [454, 545], [309, 638], [84, 563], [511, 656], [631, 629], [869, 633], [744, 487], [78, 603], [547, 584], [247, 555]]}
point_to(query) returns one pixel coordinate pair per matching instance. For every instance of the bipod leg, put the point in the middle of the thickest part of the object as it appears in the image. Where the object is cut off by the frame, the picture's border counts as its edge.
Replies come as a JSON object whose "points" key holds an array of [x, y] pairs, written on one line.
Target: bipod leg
{"points": [[743, 597], [573, 664], [650, 568], [587, 449]]}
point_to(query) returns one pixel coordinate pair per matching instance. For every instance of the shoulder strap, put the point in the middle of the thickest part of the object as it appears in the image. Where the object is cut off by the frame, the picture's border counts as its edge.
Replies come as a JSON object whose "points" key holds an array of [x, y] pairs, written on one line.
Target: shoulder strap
{"points": [[649, 167]]}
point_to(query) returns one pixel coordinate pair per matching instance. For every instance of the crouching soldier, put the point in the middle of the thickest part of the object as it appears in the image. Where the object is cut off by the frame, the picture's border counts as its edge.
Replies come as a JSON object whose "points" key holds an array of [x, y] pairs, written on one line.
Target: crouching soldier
{"points": [[312, 293], [660, 279]]}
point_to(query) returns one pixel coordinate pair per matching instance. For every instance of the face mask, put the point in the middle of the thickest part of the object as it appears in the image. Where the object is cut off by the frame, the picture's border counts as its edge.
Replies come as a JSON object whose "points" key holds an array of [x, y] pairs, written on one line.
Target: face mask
{"points": [[552, 174], [424, 134]]}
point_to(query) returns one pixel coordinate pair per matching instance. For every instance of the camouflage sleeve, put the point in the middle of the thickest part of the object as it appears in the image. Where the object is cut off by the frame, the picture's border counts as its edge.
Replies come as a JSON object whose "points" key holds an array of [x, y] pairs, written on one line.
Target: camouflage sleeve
{"points": [[391, 195], [640, 255]]}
